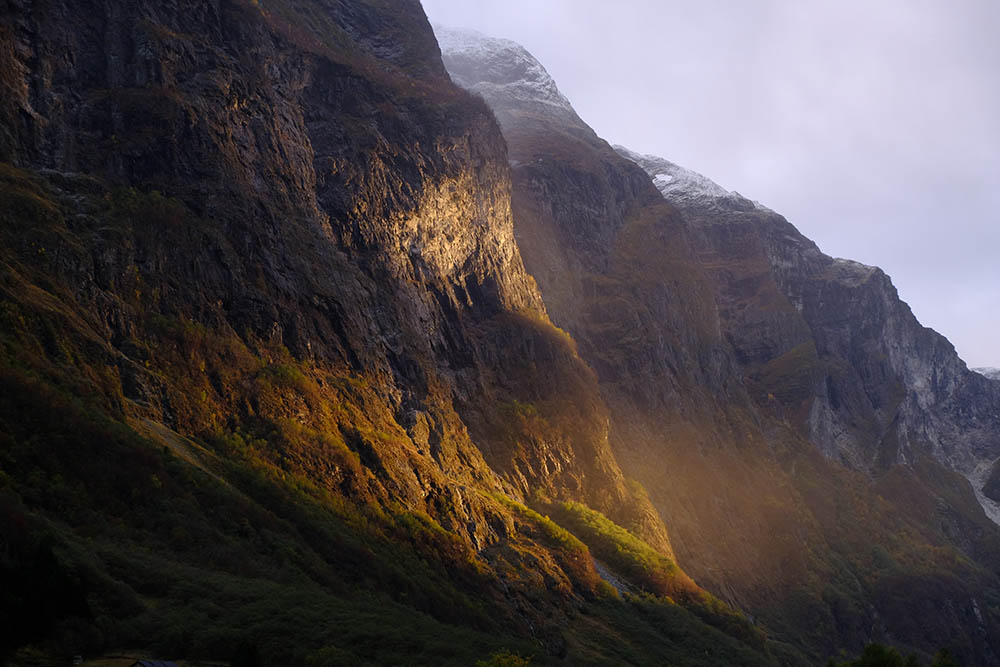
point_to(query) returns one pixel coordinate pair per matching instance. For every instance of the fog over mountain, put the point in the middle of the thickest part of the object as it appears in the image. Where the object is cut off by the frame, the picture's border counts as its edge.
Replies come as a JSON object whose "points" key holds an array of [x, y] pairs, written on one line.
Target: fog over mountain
{"points": [[872, 128]]}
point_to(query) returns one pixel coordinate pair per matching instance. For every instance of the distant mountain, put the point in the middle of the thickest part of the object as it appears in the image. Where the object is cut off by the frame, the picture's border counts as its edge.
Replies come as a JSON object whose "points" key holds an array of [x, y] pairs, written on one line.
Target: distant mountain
{"points": [[788, 416], [513, 73], [884, 389], [991, 373]]}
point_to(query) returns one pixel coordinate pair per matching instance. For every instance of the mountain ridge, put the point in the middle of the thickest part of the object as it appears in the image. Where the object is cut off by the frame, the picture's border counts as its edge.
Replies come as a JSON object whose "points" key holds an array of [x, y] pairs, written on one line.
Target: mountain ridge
{"points": [[749, 392], [916, 377], [310, 357], [274, 378]]}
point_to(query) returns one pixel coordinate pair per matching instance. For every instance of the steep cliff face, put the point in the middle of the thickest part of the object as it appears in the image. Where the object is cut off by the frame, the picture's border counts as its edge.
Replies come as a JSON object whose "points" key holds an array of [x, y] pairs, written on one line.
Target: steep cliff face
{"points": [[274, 379], [881, 389], [590, 224], [731, 353], [267, 332], [357, 218]]}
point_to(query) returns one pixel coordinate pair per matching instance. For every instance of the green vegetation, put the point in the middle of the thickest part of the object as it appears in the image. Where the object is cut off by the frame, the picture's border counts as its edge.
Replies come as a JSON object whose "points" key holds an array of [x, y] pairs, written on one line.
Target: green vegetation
{"points": [[504, 659], [112, 539], [553, 532], [191, 567], [633, 630], [568, 553], [624, 552], [652, 572], [877, 655], [186, 566]]}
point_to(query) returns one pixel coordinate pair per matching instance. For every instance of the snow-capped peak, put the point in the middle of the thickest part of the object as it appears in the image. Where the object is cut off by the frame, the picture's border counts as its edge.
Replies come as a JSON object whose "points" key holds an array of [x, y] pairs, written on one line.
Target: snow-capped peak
{"points": [[498, 69], [681, 185], [456, 40]]}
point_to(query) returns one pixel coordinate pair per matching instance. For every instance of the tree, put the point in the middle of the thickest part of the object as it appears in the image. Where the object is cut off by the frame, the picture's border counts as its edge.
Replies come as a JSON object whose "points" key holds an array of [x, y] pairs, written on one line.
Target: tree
{"points": [[246, 655], [943, 659], [504, 659]]}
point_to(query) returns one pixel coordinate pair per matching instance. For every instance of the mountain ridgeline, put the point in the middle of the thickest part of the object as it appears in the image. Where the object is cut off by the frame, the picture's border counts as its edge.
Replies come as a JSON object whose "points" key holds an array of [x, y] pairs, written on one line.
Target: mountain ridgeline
{"points": [[274, 379], [311, 356], [809, 445]]}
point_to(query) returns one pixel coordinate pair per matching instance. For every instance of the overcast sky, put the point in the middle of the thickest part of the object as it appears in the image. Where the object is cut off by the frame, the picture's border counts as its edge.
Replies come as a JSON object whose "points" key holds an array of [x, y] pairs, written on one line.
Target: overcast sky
{"points": [[872, 125]]}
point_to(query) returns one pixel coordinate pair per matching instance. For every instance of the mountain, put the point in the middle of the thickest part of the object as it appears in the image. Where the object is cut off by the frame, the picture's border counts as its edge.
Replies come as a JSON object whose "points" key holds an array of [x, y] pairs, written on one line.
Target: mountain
{"points": [[991, 373], [310, 356], [274, 383], [944, 408], [884, 389], [809, 445]]}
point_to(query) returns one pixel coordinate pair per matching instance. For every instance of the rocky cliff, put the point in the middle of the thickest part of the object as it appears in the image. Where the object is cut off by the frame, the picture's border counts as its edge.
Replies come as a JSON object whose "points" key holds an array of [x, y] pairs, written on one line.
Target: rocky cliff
{"points": [[794, 425], [270, 357], [881, 389], [276, 384]]}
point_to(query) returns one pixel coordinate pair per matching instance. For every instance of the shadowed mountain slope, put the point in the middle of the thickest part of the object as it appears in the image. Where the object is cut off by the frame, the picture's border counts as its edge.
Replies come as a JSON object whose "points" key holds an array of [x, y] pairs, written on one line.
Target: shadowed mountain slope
{"points": [[799, 432], [273, 378], [882, 389]]}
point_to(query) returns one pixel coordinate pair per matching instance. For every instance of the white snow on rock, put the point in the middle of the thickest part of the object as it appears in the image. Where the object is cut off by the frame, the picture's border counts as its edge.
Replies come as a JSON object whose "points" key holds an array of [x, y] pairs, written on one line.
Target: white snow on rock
{"points": [[503, 69], [679, 184], [849, 272], [978, 479], [506, 75]]}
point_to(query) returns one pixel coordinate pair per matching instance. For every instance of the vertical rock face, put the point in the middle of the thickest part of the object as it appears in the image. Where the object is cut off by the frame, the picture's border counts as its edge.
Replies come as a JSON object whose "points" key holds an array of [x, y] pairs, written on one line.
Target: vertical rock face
{"points": [[267, 333], [275, 241], [588, 219], [880, 389], [732, 353], [357, 206], [264, 316], [281, 225]]}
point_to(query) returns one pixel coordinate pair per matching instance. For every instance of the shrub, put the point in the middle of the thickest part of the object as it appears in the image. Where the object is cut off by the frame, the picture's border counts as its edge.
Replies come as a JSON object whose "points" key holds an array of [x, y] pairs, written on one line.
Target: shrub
{"points": [[643, 565], [504, 659]]}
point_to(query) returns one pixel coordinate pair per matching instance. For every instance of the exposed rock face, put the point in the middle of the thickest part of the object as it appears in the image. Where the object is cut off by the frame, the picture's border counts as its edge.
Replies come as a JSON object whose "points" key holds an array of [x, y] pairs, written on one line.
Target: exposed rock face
{"points": [[278, 229], [574, 221], [267, 336], [361, 224], [881, 388], [731, 352], [991, 373]]}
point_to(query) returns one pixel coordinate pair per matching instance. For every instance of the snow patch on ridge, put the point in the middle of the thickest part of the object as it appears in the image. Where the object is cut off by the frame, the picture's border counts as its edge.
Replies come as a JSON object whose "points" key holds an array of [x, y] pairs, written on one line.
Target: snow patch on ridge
{"points": [[991, 373], [978, 478], [679, 184], [504, 69]]}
